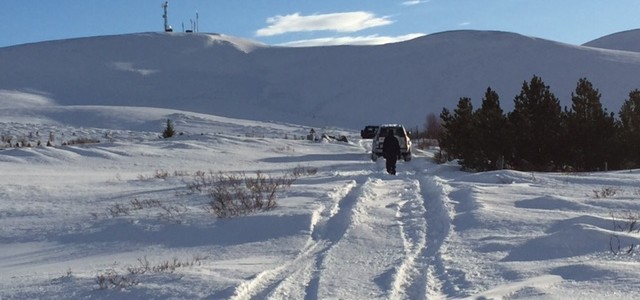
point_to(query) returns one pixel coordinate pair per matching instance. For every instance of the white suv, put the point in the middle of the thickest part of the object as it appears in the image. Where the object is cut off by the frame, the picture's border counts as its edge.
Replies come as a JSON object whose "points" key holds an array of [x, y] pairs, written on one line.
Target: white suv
{"points": [[401, 135]]}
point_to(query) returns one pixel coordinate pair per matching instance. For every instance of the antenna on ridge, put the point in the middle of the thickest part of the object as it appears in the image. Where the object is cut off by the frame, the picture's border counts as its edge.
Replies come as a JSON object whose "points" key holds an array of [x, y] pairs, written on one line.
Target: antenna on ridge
{"points": [[165, 16]]}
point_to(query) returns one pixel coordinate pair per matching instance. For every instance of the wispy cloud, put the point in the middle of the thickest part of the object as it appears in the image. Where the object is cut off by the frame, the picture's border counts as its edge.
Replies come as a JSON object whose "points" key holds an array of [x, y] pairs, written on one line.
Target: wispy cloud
{"points": [[464, 24], [340, 22], [414, 2], [352, 40]]}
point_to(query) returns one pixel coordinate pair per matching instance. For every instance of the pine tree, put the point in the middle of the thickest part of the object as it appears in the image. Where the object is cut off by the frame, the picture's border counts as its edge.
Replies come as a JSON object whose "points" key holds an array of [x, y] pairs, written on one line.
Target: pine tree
{"points": [[590, 129], [492, 132], [445, 140], [537, 124], [630, 129], [168, 131], [458, 139]]}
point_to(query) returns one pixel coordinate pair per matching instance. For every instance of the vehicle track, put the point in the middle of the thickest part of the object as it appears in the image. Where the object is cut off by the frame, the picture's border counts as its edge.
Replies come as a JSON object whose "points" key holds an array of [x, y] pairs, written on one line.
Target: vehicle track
{"points": [[328, 226], [408, 213], [441, 281], [410, 279]]}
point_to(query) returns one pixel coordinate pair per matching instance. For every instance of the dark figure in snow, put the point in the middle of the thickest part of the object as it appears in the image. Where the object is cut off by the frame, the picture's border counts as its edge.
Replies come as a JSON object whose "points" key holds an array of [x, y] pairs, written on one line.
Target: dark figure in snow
{"points": [[391, 151]]}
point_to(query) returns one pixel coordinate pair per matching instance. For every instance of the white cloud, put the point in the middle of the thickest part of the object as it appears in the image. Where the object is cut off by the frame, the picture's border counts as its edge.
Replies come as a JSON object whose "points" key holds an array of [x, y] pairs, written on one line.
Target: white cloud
{"points": [[464, 24], [353, 40], [414, 2], [340, 22]]}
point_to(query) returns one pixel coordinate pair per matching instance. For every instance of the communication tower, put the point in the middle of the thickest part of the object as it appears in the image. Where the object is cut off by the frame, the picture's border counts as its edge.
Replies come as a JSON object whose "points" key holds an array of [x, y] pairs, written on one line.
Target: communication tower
{"points": [[165, 16]]}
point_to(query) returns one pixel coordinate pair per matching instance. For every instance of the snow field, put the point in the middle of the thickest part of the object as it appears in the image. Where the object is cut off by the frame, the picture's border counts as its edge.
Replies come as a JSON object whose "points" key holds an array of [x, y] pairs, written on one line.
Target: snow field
{"points": [[71, 214], [348, 231]]}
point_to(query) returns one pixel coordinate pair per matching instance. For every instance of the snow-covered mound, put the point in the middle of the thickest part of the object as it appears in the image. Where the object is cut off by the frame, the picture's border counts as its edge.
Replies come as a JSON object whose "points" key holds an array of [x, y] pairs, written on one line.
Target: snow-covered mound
{"points": [[626, 40], [347, 86]]}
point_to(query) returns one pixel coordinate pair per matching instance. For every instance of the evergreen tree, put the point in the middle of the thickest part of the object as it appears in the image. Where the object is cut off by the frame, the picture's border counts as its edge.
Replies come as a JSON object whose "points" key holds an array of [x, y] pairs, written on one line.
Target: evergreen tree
{"points": [[590, 130], [492, 132], [537, 121], [458, 139], [445, 140], [168, 131], [630, 129]]}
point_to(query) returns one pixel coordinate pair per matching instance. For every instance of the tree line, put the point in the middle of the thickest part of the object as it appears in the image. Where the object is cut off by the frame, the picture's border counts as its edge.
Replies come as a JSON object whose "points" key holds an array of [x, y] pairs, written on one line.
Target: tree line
{"points": [[538, 135]]}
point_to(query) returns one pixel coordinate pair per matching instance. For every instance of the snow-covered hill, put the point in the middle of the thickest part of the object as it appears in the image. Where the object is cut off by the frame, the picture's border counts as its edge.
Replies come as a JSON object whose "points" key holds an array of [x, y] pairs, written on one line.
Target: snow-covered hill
{"points": [[626, 40], [347, 86]]}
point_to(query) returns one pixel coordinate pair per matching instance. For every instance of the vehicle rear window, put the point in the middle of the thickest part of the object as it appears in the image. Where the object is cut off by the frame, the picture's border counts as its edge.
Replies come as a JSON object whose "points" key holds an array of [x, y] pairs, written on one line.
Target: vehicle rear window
{"points": [[397, 131]]}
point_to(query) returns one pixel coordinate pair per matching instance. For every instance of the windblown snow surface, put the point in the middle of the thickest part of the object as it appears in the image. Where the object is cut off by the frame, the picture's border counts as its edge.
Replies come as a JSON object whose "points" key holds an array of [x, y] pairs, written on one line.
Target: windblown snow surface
{"points": [[122, 210]]}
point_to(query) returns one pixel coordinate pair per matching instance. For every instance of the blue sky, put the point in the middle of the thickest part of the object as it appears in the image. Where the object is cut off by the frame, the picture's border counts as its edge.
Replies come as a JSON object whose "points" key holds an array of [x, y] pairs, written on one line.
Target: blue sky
{"points": [[307, 22]]}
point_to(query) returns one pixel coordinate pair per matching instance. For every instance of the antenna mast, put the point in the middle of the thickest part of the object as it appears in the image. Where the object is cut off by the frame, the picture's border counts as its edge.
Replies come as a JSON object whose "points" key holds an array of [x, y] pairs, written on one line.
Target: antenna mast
{"points": [[167, 28]]}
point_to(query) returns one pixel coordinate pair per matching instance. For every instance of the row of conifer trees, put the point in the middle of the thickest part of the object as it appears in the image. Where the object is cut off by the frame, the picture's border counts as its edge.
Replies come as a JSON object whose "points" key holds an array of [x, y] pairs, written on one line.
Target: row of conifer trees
{"points": [[538, 135]]}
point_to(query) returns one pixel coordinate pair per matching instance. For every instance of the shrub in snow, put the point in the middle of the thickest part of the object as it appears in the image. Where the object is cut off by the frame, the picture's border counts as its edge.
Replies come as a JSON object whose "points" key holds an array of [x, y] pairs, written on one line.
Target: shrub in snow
{"points": [[120, 209], [111, 279], [627, 224], [299, 171], [238, 194], [605, 192], [81, 141]]}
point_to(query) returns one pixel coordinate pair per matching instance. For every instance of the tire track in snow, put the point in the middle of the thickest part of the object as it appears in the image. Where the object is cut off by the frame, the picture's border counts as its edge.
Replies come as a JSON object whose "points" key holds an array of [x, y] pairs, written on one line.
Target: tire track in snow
{"points": [[329, 231], [425, 224], [418, 271], [441, 282], [328, 226], [410, 279], [361, 264]]}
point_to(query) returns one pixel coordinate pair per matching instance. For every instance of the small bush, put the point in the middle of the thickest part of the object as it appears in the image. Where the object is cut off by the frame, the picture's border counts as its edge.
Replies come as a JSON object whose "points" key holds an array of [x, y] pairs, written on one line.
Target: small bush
{"points": [[161, 174], [144, 266], [628, 223], [111, 279], [304, 171], [173, 213], [120, 209], [202, 181], [234, 195], [81, 141], [605, 192], [117, 210]]}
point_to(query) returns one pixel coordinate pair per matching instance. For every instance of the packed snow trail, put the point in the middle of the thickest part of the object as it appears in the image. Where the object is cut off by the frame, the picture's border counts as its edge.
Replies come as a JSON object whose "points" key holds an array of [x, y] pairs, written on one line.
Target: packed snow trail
{"points": [[277, 283], [377, 237]]}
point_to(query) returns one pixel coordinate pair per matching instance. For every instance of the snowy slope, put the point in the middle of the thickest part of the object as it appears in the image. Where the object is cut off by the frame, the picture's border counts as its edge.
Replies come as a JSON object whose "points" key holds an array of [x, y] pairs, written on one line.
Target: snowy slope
{"points": [[625, 40], [347, 86]]}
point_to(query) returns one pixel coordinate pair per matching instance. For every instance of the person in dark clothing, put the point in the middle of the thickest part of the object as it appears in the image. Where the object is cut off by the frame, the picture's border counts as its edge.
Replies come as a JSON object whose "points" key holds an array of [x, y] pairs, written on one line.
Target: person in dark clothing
{"points": [[391, 151]]}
